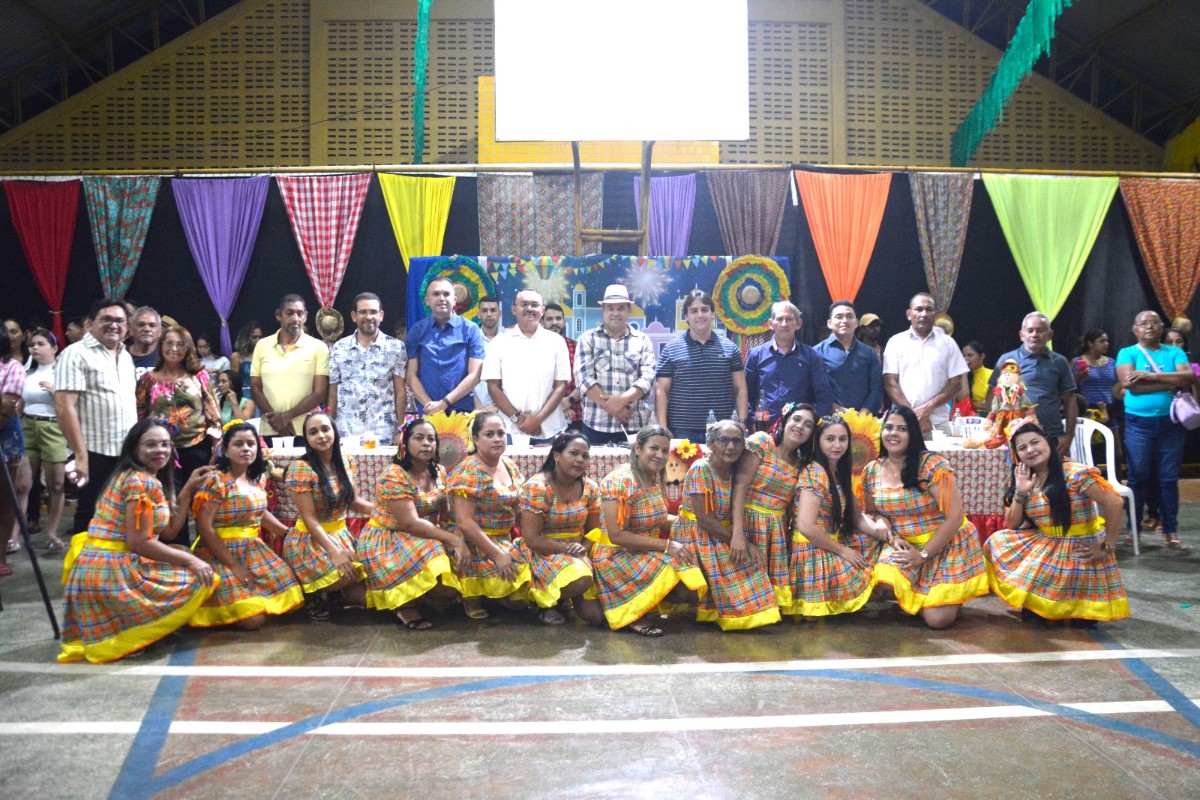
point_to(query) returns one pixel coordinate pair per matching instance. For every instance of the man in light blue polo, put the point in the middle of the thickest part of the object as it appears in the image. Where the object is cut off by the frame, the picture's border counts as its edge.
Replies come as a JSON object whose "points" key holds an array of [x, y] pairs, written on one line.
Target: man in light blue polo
{"points": [[1047, 377], [445, 355]]}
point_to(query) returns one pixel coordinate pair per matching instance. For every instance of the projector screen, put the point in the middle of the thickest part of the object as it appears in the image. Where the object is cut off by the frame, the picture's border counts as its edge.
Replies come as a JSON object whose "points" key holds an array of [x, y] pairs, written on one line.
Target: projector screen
{"points": [[573, 70]]}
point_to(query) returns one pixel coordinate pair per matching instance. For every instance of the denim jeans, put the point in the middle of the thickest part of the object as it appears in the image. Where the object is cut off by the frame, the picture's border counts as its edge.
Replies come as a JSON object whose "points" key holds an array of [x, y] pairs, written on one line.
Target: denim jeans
{"points": [[1155, 445]]}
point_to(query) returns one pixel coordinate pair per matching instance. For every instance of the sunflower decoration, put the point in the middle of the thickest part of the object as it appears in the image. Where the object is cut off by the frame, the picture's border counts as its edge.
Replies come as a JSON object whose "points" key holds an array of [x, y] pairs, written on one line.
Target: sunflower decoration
{"points": [[745, 291], [864, 443], [454, 436], [471, 282], [679, 460]]}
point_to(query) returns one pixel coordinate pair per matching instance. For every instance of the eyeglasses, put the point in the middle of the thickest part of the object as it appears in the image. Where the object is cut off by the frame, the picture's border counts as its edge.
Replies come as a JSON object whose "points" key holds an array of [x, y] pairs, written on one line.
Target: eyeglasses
{"points": [[111, 320], [726, 441], [174, 346], [1149, 323]]}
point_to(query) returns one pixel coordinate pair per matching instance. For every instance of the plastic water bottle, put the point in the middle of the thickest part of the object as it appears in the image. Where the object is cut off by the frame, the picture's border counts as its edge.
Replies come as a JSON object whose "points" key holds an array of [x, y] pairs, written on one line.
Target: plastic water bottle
{"points": [[712, 419], [956, 423], [762, 415]]}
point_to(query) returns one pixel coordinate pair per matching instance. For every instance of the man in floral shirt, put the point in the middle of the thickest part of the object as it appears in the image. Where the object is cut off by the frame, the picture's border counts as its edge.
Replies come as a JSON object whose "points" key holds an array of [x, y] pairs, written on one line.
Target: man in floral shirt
{"points": [[366, 375]]}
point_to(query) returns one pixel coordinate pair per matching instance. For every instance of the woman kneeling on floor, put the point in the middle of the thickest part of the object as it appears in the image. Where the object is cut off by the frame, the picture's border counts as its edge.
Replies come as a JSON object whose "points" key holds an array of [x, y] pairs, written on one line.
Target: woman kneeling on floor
{"points": [[637, 565], [739, 594], [124, 589], [231, 512], [406, 547], [558, 505], [828, 576], [319, 547], [1056, 560], [933, 563], [484, 490]]}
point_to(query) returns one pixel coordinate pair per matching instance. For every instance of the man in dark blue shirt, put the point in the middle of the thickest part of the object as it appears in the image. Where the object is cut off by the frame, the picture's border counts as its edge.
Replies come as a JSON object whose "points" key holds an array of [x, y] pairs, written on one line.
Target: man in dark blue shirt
{"points": [[1048, 379], [445, 355], [785, 370], [853, 366]]}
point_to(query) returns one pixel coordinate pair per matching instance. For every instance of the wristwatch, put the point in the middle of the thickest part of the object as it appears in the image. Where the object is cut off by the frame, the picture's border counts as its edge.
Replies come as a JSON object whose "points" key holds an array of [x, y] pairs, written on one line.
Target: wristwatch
{"points": [[516, 416], [924, 554]]}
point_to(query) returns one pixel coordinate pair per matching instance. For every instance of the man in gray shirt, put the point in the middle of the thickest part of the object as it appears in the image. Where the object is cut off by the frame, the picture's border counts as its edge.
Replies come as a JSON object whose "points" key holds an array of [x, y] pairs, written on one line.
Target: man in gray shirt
{"points": [[1047, 377]]}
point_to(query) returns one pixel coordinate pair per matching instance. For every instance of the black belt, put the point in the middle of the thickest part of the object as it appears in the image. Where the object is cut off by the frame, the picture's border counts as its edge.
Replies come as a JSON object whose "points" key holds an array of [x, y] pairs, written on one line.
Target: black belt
{"points": [[39, 418]]}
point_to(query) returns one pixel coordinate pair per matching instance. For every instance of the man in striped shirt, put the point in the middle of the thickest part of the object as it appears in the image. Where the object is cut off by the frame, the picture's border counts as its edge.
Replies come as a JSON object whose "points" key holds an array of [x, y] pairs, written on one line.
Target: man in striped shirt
{"points": [[94, 400], [614, 370], [699, 371]]}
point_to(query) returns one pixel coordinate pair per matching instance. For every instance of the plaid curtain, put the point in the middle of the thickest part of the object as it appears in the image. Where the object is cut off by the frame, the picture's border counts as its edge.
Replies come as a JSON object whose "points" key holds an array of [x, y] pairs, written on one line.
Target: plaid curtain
{"points": [[324, 211], [942, 201]]}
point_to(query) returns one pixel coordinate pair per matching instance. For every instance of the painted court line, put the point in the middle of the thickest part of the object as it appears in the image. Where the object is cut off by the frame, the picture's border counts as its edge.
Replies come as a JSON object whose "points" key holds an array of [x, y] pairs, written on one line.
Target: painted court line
{"points": [[598, 670], [593, 726]]}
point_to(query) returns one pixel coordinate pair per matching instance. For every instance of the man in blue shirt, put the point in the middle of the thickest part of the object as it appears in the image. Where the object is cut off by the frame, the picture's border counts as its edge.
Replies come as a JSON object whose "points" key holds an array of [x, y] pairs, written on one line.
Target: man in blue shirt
{"points": [[852, 365], [785, 370], [1047, 377], [445, 355]]}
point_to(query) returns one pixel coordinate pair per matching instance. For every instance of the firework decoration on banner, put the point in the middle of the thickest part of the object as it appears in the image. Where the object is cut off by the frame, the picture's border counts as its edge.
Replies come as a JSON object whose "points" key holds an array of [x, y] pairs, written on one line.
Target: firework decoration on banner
{"points": [[454, 436], [745, 291], [548, 280], [471, 282], [647, 281], [864, 444]]}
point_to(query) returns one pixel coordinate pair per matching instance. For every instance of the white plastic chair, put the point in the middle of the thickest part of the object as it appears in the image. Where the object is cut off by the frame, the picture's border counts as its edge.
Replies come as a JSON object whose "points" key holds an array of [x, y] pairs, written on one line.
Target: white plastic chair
{"points": [[1081, 451], [969, 427]]}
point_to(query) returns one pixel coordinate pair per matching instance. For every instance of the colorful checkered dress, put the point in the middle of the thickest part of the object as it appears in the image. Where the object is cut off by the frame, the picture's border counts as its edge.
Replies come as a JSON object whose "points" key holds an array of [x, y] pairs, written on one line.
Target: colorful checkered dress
{"points": [[311, 563], [822, 583], [765, 524], [1044, 570], [403, 566], [951, 577], [117, 601], [496, 515], [738, 597], [275, 590], [564, 522], [632, 582]]}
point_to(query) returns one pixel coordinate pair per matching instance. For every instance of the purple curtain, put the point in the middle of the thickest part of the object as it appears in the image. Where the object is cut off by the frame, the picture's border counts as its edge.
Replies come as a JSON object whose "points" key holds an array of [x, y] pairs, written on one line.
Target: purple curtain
{"points": [[221, 219], [672, 201]]}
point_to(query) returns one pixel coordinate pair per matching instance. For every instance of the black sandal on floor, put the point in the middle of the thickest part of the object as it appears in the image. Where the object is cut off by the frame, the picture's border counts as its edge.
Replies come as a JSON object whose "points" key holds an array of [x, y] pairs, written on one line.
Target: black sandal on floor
{"points": [[317, 608], [648, 631], [418, 624]]}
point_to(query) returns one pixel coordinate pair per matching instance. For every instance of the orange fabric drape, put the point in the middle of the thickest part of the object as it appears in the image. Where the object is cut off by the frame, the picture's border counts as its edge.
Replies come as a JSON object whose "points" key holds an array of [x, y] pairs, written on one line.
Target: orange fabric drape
{"points": [[1166, 216], [843, 212]]}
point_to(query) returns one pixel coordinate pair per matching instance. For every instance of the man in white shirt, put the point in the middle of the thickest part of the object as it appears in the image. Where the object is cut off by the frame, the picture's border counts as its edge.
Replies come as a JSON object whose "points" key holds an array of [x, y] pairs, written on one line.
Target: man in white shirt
{"points": [[527, 369], [923, 367]]}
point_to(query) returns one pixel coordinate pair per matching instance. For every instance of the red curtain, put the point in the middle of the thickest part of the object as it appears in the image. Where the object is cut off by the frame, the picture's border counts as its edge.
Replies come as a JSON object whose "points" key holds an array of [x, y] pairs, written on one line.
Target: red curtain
{"points": [[843, 212], [44, 215], [1165, 216]]}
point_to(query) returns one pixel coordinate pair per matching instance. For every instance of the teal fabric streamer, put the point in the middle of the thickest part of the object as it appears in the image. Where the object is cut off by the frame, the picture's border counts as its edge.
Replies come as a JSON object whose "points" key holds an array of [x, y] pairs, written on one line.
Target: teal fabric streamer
{"points": [[1030, 42], [420, 72]]}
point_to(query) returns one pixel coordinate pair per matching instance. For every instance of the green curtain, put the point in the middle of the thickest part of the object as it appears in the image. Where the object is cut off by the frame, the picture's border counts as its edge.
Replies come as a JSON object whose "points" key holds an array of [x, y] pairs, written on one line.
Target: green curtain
{"points": [[1050, 224]]}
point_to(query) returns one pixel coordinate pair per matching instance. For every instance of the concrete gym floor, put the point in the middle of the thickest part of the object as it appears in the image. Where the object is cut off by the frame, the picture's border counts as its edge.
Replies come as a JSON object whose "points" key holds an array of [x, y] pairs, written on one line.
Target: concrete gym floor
{"points": [[870, 705]]}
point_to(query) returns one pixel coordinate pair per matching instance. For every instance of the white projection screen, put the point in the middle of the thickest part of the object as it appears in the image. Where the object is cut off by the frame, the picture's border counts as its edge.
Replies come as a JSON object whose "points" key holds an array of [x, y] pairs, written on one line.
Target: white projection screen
{"points": [[604, 70]]}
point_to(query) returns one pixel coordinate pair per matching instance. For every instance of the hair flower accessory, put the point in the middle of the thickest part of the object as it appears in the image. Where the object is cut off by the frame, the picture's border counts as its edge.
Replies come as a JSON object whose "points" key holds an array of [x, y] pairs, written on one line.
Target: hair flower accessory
{"points": [[231, 423], [171, 427]]}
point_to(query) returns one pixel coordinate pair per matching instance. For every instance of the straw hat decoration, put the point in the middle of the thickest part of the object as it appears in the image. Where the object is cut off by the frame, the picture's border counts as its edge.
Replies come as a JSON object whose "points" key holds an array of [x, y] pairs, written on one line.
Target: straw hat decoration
{"points": [[330, 324]]}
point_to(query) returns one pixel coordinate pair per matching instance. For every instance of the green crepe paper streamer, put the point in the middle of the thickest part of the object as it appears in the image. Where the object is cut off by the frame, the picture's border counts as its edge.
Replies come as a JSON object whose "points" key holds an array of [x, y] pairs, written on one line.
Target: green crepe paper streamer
{"points": [[420, 71], [1030, 42]]}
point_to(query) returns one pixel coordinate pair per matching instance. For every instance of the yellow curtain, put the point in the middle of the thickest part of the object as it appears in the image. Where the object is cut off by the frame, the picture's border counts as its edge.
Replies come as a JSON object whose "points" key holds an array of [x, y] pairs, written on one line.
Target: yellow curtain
{"points": [[418, 209]]}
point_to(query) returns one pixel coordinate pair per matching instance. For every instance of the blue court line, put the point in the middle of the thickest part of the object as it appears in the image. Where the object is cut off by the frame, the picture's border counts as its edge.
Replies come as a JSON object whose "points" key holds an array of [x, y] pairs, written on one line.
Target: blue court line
{"points": [[140, 782], [1155, 682]]}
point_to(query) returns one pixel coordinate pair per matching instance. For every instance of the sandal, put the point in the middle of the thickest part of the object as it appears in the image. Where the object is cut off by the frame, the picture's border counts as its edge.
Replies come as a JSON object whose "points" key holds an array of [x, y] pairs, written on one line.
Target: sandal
{"points": [[5, 570], [54, 547], [317, 609], [649, 631], [419, 623], [1173, 542], [1150, 524], [475, 611], [13, 546], [551, 616]]}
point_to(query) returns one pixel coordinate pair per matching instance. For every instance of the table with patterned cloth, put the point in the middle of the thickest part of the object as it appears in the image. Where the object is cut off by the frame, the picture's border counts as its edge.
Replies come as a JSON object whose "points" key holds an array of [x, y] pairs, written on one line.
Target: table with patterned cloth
{"points": [[982, 477], [370, 464]]}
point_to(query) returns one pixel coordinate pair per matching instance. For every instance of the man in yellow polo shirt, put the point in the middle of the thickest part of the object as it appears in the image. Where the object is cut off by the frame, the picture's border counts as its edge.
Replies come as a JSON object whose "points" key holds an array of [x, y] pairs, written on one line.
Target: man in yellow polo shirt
{"points": [[289, 375]]}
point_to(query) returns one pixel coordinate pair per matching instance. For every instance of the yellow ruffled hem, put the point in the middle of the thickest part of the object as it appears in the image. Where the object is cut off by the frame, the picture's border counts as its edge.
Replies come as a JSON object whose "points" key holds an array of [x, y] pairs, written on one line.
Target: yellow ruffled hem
{"points": [[133, 639], [640, 604], [1101, 611], [830, 608], [783, 596], [278, 604], [438, 568], [946, 594], [496, 588], [549, 596], [755, 620], [332, 577]]}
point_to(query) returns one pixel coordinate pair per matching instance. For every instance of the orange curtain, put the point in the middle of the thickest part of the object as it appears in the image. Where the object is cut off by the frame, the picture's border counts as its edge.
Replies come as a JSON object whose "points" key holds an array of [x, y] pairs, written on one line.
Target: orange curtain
{"points": [[843, 212], [1166, 216]]}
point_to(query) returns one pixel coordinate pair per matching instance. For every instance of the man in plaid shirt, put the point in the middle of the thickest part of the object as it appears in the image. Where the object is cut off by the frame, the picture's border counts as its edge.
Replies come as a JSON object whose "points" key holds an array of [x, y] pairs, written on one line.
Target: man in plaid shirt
{"points": [[614, 370]]}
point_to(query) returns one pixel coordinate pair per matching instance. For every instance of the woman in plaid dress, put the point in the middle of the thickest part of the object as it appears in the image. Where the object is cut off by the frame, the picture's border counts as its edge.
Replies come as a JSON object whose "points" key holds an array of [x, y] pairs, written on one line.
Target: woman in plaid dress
{"points": [[124, 589], [932, 562], [635, 563], [1052, 562], [407, 545], [558, 505], [231, 511], [763, 490], [319, 547], [828, 576], [739, 595], [484, 490]]}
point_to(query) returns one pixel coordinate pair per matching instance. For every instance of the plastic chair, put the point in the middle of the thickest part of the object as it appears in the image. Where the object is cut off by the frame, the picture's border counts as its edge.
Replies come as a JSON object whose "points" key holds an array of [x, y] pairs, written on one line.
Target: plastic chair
{"points": [[969, 427], [1081, 451]]}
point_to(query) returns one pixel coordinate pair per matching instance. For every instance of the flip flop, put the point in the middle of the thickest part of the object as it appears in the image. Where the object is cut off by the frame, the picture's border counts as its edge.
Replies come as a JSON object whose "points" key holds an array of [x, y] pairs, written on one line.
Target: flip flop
{"points": [[477, 612], [54, 547], [1173, 542], [418, 624], [648, 631], [551, 616], [13, 546]]}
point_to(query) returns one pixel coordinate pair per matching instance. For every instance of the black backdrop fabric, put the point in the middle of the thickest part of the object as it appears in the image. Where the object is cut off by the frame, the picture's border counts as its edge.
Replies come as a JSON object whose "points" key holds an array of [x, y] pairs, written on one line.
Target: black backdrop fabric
{"points": [[988, 304]]}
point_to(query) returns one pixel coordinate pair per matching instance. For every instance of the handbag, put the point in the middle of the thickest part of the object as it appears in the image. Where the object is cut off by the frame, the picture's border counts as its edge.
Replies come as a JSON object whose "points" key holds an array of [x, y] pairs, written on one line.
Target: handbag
{"points": [[1185, 410]]}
